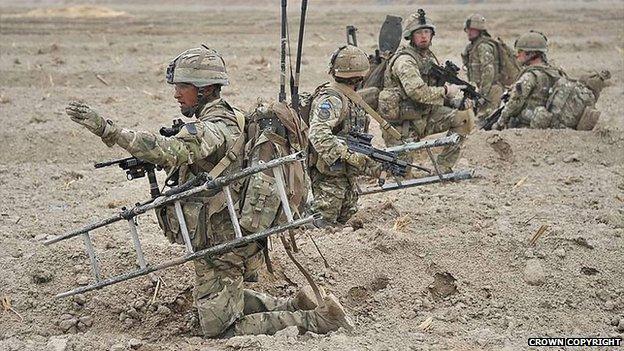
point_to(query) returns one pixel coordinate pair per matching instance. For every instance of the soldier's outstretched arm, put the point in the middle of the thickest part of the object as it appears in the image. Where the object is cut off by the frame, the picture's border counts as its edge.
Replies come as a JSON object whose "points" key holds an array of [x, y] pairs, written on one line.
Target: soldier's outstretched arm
{"points": [[406, 70], [519, 93], [195, 141], [486, 57], [324, 116]]}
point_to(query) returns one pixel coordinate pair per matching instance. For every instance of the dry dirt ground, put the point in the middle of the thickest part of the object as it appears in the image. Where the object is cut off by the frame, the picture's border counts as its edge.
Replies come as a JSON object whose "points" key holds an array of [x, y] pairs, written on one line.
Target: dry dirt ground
{"points": [[433, 268]]}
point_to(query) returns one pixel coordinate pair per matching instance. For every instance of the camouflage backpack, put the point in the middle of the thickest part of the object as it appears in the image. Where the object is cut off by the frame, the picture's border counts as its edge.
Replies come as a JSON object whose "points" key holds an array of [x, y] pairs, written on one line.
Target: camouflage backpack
{"points": [[570, 104], [508, 67], [272, 130]]}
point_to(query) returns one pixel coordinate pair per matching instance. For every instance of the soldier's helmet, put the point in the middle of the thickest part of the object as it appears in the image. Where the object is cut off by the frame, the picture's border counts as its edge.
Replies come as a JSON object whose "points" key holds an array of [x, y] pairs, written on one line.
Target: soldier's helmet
{"points": [[200, 67], [532, 41], [415, 22], [349, 62], [475, 21]]}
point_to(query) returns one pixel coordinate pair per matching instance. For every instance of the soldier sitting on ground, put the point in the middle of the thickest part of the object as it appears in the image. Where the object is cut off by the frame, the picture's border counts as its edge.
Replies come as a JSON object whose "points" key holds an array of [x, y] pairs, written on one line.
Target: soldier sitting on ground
{"points": [[544, 96]]}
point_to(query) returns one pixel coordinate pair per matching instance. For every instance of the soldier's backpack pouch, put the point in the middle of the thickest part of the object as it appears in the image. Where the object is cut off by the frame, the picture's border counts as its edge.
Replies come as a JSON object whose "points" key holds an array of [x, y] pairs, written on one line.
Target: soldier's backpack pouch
{"points": [[195, 217], [389, 100], [568, 100], [509, 67]]}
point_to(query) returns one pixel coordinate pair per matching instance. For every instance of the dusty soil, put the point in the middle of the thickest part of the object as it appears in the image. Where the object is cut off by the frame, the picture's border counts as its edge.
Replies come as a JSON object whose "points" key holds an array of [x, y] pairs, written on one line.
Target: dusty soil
{"points": [[432, 268]]}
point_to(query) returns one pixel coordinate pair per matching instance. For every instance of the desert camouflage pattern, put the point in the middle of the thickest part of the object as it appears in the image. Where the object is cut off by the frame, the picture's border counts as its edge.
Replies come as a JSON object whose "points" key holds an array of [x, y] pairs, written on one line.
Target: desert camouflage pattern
{"points": [[528, 93], [480, 57], [332, 115], [218, 294], [413, 102]]}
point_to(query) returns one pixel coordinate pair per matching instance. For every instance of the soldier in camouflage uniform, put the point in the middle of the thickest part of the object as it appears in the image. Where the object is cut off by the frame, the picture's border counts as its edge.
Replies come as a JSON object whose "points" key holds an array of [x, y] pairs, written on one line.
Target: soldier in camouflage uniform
{"points": [[533, 85], [480, 57], [333, 168], [413, 101], [214, 144]]}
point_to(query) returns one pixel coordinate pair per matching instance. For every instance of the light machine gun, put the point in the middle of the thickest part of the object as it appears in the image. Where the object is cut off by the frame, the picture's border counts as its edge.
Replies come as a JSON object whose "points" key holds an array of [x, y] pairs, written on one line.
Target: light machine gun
{"points": [[390, 162]]}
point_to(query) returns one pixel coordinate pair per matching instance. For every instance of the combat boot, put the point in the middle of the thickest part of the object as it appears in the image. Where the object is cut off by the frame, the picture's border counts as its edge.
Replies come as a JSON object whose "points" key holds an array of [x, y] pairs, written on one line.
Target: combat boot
{"points": [[331, 317], [305, 299]]}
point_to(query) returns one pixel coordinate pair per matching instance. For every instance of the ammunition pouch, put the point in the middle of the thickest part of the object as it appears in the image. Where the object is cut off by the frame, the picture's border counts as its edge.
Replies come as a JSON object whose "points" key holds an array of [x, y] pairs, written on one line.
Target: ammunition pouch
{"points": [[261, 203], [389, 100], [196, 222]]}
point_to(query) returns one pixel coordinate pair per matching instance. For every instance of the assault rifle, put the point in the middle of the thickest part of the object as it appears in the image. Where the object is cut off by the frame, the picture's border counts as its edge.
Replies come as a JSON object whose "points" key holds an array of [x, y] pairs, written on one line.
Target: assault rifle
{"points": [[361, 143], [137, 168], [448, 74], [490, 120]]}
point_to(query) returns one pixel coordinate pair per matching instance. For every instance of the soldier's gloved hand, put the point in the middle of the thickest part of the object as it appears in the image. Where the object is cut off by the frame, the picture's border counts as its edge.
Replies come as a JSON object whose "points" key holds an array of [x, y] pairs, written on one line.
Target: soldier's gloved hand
{"points": [[452, 90], [355, 159], [84, 115]]}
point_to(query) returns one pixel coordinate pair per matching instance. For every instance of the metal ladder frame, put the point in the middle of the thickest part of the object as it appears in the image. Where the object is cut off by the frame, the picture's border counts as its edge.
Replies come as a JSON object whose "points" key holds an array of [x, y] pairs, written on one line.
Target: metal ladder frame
{"points": [[175, 195]]}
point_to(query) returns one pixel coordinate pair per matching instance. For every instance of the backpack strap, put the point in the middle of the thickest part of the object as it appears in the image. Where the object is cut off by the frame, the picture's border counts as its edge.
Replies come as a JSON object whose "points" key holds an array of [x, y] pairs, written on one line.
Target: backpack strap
{"points": [[231, 154]]}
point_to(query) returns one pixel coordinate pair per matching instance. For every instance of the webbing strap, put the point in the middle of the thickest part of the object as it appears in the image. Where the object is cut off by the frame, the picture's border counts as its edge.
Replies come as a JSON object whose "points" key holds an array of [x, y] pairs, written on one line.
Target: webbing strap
{"points": [[355, 97], [234, 151]]}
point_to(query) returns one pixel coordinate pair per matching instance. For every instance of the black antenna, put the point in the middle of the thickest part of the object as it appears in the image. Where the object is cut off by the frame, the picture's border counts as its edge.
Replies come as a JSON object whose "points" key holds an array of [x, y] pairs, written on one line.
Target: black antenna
{"points": [[294, 90], [282, 93]]}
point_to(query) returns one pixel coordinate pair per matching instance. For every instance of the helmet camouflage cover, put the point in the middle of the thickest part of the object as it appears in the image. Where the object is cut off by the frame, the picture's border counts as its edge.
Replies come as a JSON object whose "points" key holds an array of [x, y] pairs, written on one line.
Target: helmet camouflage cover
{"points": [[348, 62], [532, 41], [200, 67], [475, 21], [415, 22]]}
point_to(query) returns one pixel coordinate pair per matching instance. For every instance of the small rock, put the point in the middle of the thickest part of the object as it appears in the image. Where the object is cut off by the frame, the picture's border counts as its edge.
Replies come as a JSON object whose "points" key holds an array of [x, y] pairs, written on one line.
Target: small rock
{"points": [[243, 341], [163, 310], [117, 347], [79, 299], [615, 321], [40, 276], [67, 324], [571, 158], [132, 312], [549, 161], [560, 252], [135, 343], [287, 333], [620, 326], [86, 320], [41, 237], [534, 272], [57, 343], [609, 305], [83, 280], [138, 304]]}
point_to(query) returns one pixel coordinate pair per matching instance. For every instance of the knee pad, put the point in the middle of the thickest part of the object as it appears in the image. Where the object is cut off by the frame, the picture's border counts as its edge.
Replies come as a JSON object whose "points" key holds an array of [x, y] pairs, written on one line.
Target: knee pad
{"points": [[464, 122]]}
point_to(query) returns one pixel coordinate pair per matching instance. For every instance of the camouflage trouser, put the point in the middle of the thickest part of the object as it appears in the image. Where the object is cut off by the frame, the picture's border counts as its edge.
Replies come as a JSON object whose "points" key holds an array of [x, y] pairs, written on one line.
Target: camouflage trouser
{"points": [[438, 119], [335, 198], [218, 290], [222, 301]]}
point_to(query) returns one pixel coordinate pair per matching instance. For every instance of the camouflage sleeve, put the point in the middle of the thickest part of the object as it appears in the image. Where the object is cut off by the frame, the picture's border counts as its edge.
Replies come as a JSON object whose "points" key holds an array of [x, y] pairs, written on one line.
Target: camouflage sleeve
{"points": [[194, 142], [406, 70], [324, 116], [487, 60], [518, 96]]}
